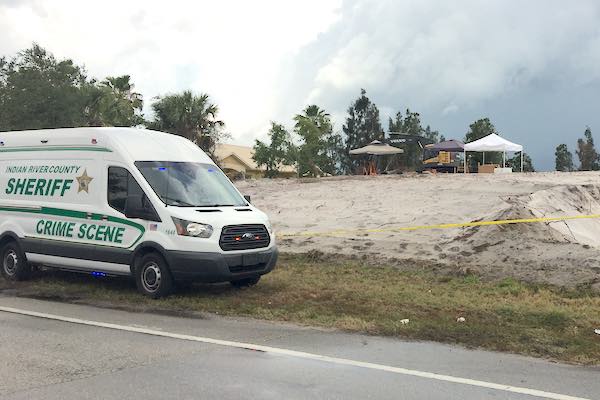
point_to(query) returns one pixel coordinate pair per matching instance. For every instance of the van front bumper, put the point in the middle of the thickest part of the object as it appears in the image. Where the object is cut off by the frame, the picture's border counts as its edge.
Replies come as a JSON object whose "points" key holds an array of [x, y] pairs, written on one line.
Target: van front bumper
{"points": [[220, 267]]}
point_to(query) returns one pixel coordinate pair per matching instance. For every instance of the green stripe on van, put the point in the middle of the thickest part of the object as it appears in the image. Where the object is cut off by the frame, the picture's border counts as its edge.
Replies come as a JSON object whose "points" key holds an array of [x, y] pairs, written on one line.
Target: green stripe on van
{"points": [[54, 148], [61, 212]]}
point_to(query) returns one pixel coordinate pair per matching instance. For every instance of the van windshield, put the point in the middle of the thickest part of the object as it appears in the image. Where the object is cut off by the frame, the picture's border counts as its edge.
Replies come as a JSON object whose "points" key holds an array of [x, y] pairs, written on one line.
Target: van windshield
{"points": [[189, 184]]}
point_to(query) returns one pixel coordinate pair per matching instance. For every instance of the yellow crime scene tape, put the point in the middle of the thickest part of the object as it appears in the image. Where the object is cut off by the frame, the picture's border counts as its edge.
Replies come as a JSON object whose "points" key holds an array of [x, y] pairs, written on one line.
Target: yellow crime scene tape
{"points": [[439, 226]]}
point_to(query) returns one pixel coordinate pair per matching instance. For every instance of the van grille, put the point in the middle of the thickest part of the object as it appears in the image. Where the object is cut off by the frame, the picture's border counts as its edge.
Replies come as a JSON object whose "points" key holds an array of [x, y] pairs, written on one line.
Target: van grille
{"points": [[244, 237]]}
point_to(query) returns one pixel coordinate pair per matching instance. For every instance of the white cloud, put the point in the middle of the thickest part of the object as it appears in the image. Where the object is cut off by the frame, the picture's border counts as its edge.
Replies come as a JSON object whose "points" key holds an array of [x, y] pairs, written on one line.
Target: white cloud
{"points": [[450, 109], [434, 53], [231, 50]]}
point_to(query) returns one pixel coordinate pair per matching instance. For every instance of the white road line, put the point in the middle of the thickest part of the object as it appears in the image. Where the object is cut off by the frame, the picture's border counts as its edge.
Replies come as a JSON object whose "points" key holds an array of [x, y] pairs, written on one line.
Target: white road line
{"points": [[300, 354]]}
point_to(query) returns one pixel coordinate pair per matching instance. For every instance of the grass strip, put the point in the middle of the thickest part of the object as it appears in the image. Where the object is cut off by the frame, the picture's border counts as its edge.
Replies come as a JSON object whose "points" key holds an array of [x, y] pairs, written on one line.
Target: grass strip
{"points": [[351, 295]]}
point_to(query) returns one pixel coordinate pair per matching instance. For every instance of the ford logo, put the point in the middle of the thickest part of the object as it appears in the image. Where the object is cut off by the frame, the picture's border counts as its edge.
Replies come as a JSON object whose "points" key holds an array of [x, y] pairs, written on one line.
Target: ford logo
{"points": [[247, 235]]}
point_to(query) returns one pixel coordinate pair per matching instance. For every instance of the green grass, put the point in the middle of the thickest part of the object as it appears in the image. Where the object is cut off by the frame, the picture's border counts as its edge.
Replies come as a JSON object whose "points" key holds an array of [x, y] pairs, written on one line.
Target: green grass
{"points": [[321, 291]]}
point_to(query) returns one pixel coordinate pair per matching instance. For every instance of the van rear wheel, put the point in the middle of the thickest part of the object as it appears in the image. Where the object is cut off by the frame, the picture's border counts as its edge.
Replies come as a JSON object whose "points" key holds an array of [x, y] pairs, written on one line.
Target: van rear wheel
{"points": [[14, 265], [152, 276]]}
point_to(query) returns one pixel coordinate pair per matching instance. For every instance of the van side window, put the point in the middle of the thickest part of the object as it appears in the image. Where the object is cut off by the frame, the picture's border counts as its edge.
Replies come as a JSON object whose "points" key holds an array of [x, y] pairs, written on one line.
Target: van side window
{"points": [[117, 188], [121, 185]]}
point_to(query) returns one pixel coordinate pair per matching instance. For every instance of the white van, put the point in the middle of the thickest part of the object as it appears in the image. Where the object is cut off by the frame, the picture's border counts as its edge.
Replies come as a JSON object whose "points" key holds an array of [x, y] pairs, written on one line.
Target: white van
{"points": [[126, 201]]}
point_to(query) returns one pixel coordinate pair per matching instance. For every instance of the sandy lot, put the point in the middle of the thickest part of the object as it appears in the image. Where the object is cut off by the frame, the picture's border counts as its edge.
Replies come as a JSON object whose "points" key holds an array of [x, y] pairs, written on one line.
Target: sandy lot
{"points": [[563, 253]]}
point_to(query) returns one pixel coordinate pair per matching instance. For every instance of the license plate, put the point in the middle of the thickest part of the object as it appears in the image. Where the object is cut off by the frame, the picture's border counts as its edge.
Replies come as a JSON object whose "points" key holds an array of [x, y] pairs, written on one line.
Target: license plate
{"points": [[250, 259]]}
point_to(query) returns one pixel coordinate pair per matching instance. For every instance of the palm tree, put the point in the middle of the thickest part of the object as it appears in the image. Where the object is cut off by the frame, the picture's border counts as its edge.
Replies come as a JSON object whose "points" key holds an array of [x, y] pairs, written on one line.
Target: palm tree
{"points": [[113, 102], [316, 116], [315, 129], [190, 116]]}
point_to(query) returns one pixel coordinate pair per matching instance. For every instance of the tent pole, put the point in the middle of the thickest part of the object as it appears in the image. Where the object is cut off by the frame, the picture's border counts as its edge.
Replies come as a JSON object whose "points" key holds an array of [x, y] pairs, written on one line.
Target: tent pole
{"points": [[504, 159], [465, 161], [483, 157]]}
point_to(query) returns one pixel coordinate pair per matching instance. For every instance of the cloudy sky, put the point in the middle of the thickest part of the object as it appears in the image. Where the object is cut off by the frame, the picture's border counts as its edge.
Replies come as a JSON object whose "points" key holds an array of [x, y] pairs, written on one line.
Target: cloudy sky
{"points": [[533, 67]]}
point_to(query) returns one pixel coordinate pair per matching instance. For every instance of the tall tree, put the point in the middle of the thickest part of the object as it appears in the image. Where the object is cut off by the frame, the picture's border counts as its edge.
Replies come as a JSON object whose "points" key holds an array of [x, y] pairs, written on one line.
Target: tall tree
{"points": [[477, 130], [564, 158], [410, 124], [38, 91], [588, 157], [193, 117], [335, 152], [277, 153], [362, 127], [319, 150], [113, 102], [515, 163], [396, 124], [430, 134]]}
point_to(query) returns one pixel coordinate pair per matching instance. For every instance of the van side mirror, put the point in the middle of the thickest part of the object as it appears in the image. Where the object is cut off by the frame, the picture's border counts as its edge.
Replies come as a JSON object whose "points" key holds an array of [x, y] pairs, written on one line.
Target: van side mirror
{"points": [[139, 206], [247, 198]]}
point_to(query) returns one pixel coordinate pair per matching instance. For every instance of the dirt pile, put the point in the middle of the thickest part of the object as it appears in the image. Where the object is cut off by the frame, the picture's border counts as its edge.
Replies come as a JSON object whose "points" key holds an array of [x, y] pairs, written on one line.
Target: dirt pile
{"points": [[565, 253], [563, 201]]}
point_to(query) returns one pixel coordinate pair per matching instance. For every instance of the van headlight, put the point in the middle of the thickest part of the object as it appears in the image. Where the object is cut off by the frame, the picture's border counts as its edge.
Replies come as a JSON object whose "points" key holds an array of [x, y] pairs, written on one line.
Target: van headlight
{"points": [[195, 229], [269, 227]]}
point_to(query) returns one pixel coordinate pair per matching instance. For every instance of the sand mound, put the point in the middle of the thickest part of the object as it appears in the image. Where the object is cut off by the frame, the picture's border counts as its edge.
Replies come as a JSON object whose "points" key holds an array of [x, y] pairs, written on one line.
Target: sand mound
{"points": [[570, 201], [563, 252]]}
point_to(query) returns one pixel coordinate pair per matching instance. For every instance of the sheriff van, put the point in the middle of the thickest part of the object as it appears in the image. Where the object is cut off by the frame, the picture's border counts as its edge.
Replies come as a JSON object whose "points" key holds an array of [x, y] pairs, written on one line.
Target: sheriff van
{"points": [[126, 201]]}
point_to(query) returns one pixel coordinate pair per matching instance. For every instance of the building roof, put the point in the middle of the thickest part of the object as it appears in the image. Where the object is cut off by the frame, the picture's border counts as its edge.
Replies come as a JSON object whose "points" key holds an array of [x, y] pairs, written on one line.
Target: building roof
{"points": [[244, 155]]}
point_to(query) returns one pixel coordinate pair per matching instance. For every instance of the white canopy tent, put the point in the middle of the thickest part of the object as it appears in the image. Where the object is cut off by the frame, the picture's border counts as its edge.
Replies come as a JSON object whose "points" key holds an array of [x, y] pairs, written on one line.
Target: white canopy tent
{"points": [[493, 142]]}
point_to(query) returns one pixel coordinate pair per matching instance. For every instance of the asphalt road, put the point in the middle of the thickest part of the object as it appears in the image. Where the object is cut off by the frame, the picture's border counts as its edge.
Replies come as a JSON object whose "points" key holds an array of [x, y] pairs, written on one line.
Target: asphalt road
{"points": [[45, 358]]}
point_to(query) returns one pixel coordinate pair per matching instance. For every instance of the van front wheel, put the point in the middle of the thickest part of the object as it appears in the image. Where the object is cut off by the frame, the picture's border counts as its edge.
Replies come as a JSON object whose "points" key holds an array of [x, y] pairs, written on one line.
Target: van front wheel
{"points": [[153, 277], [14, 265]]}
